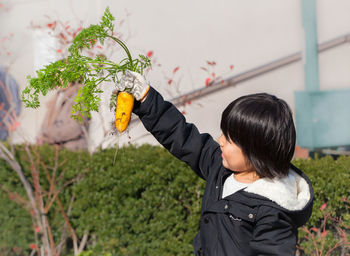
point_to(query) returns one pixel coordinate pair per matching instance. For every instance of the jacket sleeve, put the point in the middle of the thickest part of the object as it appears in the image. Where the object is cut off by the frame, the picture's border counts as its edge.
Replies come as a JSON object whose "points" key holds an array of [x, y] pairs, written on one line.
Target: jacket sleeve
{"points": [[182, 139], [274, 235]]}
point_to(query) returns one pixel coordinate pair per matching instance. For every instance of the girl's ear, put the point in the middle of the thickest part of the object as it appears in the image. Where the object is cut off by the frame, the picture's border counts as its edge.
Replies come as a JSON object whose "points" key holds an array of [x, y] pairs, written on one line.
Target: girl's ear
{"points": [[220, 140], [249, 165]]}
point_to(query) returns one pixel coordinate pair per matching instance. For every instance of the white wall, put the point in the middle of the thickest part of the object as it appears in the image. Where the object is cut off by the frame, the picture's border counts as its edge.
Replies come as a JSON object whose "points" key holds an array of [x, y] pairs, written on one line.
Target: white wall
{"points": [[186, 34]]}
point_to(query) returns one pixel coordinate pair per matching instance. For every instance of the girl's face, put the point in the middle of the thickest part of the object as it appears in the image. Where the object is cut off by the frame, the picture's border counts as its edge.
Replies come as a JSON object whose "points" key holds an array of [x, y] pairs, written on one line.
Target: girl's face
{"points": [[232, 156]]}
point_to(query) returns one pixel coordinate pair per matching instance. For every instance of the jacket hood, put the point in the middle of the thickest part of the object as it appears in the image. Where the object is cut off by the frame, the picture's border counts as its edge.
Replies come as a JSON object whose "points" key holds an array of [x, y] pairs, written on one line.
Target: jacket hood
{"points": [[292, 193]]}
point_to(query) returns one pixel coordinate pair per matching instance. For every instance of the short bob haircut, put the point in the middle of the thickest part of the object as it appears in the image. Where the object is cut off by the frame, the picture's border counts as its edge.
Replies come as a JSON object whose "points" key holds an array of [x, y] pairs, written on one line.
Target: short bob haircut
{"points": [[262, 126]]}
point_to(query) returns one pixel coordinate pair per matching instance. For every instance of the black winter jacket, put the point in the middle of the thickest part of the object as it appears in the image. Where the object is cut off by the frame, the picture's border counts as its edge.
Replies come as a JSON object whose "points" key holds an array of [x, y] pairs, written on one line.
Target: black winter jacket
{"points": [[259, 220]]}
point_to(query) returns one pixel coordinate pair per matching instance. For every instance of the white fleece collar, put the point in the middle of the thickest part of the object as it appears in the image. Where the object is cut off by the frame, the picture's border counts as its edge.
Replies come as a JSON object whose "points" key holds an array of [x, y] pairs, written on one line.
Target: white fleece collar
{"points": [[291, 192]]}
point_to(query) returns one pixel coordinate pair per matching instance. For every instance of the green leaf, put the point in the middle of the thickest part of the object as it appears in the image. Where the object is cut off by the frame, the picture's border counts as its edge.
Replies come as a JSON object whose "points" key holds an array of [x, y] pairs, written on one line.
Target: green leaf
{"points": [[79, 68]]}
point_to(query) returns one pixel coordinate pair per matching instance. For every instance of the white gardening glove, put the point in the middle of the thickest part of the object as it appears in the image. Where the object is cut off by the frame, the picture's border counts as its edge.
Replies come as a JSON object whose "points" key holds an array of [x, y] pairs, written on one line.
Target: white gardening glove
{"points": [[134, 83]]}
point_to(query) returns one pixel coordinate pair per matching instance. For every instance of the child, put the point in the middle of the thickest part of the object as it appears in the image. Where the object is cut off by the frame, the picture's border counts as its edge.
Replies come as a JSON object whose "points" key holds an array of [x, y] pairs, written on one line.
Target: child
{"points": [[254, 199]]}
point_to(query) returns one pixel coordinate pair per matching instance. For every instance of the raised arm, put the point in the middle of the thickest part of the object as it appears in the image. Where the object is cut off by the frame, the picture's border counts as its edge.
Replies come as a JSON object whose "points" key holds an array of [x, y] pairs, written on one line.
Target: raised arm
{"points": [[182, 139]]}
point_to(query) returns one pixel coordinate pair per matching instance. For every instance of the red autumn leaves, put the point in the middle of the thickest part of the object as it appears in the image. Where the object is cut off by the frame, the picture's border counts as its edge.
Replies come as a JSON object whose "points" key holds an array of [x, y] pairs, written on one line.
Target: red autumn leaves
{"points": [[210, 67], [63, 32], [4, 7], [149, 54], [324, 232], [4, 43], [212, 77], [51, 25], [170, 81]]}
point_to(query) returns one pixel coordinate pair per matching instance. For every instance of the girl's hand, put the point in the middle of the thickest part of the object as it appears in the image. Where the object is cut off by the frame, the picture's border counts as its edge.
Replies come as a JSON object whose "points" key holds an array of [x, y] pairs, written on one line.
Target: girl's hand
{"points": [[135, 84]]}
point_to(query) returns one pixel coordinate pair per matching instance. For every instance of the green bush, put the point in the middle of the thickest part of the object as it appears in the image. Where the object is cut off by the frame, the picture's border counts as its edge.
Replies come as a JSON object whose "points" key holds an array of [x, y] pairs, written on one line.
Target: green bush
{"points": [[331, 215], [331, 182], [146, 203], [17, 228]]}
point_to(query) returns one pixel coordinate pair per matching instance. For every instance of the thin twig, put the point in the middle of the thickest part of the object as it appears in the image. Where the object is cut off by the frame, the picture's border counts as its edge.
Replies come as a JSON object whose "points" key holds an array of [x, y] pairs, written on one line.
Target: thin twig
{"points": [[312, 239], [64, 235], [37, 187]]}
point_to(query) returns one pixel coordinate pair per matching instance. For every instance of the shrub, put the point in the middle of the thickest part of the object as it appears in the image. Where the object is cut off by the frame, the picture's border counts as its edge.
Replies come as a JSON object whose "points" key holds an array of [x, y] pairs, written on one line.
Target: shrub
{"points": [[328, 228], [18, 231], [148, 202]]}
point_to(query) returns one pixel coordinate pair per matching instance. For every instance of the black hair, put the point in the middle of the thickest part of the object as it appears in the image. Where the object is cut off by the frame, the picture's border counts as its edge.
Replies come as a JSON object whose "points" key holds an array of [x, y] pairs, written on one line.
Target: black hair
{"points": [[262, 126]]}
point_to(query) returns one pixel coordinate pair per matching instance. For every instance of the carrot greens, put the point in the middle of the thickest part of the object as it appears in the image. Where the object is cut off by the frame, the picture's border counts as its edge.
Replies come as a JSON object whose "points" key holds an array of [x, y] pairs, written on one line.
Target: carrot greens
{"points": [[80, 68]]}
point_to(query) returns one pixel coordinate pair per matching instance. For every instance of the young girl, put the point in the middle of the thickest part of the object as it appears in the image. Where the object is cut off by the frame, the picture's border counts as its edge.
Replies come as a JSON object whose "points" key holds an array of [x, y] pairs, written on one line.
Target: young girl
{"points": [[255, 199]]}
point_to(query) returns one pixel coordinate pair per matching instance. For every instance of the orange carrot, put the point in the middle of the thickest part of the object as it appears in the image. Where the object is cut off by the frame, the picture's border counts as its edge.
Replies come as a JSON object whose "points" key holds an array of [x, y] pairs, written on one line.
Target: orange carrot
{"points": [[125, 104]]}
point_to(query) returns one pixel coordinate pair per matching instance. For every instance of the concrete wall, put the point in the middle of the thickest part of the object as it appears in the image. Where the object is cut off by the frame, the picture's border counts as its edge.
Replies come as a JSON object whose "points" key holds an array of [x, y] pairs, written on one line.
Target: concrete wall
{"points": [[187, 34]]}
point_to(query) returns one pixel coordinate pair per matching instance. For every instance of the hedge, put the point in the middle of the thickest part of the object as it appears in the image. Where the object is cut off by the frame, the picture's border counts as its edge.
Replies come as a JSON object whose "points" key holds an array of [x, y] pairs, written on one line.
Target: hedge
{"points": [[145, 203]]}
